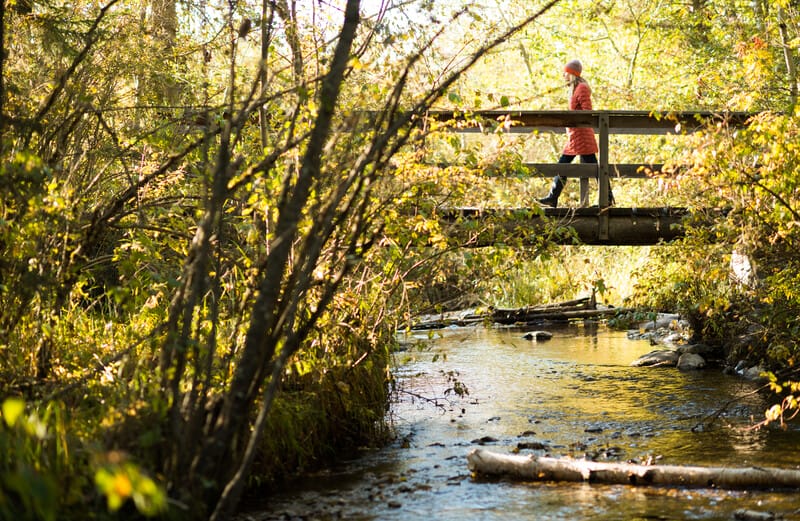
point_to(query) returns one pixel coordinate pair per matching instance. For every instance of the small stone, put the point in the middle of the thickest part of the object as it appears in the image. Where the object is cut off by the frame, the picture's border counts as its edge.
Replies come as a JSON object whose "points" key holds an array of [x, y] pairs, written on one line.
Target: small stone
{"points": [[537, 335], [752, 515], [531, 445]]}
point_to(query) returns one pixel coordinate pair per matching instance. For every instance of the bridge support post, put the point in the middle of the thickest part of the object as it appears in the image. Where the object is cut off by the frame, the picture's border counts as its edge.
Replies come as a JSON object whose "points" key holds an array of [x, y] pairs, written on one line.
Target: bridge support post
{"points": [[603, 178]]}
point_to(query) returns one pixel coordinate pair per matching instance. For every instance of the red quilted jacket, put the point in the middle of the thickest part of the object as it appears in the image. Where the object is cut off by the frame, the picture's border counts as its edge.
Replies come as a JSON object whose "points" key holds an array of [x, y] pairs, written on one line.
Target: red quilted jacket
{"points": [[580, 141]]}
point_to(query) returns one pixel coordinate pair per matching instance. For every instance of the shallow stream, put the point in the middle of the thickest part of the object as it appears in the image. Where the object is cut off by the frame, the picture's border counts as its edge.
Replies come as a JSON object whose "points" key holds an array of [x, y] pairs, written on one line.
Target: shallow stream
{"points": [[574, 395]]}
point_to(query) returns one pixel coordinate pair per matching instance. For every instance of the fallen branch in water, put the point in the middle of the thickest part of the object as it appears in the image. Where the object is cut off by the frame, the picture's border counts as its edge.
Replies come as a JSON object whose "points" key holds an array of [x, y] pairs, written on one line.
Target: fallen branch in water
{"points": [[583, 308], [533, 468], [709, 419]]}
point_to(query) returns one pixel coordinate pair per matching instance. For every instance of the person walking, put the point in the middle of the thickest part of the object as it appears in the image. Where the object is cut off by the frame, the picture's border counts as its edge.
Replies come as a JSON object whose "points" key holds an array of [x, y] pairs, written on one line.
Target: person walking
{"points": [[580, 140]]}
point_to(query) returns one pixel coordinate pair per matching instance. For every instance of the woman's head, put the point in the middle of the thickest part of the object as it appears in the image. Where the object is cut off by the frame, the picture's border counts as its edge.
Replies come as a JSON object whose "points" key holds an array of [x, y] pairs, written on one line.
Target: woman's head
{"points": [[572, 71], [573, 67]]}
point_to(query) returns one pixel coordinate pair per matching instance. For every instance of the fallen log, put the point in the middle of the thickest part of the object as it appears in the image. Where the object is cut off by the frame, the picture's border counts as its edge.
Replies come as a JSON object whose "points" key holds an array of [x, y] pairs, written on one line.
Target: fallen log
{"points": [[583, 308], [583, 303], [553, 315], [529, 313], [535, 468], [564, 316], [442, 323]]}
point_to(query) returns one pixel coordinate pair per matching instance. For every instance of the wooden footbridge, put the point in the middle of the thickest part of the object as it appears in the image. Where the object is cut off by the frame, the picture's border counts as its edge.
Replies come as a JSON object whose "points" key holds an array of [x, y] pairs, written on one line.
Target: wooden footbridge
{"points": [[594, 224]]}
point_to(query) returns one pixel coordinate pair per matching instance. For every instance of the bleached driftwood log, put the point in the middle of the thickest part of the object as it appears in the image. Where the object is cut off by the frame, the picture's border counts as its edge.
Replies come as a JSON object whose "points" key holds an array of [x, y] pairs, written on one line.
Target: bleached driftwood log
{"points": [[533, 468]]}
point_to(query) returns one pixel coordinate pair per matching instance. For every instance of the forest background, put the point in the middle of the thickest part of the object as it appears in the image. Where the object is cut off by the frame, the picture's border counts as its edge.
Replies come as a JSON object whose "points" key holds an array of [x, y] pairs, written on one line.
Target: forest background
{"points": [[215, 216]]}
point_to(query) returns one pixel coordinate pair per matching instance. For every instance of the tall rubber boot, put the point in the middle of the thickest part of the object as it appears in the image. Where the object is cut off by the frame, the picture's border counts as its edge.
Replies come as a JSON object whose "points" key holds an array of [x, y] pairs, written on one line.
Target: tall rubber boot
{"points": [[551, 199]]}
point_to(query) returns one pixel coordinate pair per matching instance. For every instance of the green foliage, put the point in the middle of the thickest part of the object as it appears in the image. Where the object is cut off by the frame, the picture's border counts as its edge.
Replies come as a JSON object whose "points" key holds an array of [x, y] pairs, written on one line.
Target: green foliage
{"points": [[694, 282], [789, 406], [142, 190], [752, 173], [43, 477], [120, 481]]}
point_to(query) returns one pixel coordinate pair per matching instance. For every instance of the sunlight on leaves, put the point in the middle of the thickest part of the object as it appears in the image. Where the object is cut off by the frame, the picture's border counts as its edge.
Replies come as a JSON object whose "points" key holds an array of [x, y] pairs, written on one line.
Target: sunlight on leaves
{"points": [[12, 409], [119, 482]]}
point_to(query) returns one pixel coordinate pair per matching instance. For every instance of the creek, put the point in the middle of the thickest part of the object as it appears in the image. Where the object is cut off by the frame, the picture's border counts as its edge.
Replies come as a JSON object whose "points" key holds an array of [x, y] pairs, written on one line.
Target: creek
{"points": [[574, 395]]}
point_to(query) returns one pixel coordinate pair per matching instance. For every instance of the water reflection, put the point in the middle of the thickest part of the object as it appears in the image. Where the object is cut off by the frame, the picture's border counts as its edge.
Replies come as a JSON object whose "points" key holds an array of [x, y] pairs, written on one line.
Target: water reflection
{"points": [[575, 395]]}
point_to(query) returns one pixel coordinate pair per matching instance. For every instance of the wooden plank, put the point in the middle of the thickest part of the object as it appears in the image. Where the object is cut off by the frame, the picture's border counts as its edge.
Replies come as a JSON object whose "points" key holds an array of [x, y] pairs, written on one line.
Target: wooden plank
{"points": [[602, 180], [635, 171], [619, 122], [575, 170], [589, 170]]}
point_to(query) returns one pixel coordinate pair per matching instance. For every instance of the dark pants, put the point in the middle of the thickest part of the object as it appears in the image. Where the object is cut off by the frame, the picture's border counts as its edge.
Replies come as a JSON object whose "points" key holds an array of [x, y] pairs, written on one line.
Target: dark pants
{"points": [[585, 158], [558, 181]]}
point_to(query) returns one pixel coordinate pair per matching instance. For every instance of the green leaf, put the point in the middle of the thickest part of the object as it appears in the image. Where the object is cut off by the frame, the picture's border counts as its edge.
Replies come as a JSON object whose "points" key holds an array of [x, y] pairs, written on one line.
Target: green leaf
{"points": [[504, 101]]}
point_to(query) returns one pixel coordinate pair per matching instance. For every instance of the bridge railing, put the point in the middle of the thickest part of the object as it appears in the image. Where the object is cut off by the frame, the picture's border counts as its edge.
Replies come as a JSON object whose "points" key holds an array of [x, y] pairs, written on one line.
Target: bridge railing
{"points": [[604, 123]]}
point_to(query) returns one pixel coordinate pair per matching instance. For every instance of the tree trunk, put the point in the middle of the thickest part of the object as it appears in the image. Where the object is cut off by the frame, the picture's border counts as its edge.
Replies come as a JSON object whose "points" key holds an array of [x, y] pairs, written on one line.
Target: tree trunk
{"points": [[2, 76], [791, 70], [288, 14], [532, 468], [267, 19], [267, 326], [163, 22]]}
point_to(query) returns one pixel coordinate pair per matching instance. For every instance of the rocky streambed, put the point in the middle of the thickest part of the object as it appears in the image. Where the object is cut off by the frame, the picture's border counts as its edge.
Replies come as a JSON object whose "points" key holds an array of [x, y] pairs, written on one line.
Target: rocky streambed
{"points": [[575, 395], [673, 337]]}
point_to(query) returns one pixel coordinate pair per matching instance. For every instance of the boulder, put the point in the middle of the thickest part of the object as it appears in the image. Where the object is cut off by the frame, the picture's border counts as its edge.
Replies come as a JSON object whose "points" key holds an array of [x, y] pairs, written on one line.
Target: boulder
{"points": [[754, 373], [691, 362], [698, 349], [658, 358], [662, 321]]}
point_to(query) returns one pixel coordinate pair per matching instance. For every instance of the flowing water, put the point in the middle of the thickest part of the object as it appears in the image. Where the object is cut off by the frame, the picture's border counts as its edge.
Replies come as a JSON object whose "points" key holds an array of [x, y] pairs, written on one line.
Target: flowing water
{"points": [[574, 395]]}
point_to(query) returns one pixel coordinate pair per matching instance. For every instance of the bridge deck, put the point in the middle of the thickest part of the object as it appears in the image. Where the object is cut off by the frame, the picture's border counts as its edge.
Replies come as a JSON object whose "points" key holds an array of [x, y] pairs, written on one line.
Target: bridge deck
{"points": [[478, 227]]}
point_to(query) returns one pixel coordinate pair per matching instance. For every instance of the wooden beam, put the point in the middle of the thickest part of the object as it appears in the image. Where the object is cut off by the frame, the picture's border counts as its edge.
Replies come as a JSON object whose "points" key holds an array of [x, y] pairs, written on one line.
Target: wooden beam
{"points": [[476, 227], [619, 121], [602, 180], [589, 170]]}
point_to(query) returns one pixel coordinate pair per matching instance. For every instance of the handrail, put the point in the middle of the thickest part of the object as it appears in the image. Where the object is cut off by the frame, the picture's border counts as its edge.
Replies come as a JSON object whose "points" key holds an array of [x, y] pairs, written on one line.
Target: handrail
{"points": [[589, 170], [619, 121]]}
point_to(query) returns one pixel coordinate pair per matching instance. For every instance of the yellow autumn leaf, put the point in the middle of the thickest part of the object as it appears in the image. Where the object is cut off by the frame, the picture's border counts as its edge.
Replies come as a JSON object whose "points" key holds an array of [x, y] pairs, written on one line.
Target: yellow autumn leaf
{"points": [[12, 409]]}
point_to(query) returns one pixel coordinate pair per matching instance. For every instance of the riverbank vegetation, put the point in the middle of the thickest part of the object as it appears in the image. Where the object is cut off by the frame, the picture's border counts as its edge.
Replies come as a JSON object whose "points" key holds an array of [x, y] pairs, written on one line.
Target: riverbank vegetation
{"points": [[215, 215]]}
